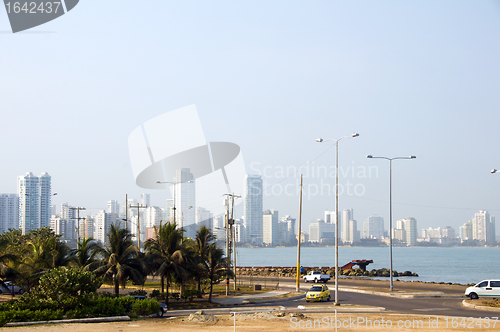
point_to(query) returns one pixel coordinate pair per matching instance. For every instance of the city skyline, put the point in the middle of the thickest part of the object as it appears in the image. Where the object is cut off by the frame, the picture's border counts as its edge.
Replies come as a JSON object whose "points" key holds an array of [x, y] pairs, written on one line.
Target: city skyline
{"points": [[412, 78]]}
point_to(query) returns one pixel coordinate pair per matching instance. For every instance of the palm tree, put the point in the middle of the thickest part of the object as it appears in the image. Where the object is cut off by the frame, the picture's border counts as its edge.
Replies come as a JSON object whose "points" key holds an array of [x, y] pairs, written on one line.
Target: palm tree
{"points": [[204, 237], [6, 260], [86, 252], [120, 259], [165, 253], [217, 266]]}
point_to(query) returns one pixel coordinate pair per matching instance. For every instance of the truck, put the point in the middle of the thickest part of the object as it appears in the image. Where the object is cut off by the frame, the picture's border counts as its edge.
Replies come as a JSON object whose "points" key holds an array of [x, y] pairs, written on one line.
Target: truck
{"points": [[316, 276]]}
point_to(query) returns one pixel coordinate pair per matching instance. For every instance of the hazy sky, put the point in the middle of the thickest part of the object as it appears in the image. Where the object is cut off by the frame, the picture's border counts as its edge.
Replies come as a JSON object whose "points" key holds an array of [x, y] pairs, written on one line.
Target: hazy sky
{"points": [[411, 77]]}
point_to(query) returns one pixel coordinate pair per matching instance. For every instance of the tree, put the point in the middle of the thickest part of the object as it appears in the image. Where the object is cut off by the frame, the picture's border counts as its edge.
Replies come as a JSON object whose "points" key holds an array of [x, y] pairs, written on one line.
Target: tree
{"points": [[86, 252], [218, 266], [38, 252], [62, 283], [204, 237], [165, 253], [120, 259]]}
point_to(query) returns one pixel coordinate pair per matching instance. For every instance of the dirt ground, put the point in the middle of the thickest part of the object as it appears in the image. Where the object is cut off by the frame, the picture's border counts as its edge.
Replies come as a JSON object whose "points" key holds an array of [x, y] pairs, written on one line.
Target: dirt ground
{"points": [[268, 322]]}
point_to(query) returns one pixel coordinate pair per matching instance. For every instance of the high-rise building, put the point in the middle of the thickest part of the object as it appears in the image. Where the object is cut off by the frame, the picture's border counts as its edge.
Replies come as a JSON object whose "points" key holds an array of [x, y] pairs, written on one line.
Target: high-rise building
{"points": [[252, 208], [373, 227], [347, 215], [286, 231], [185, 198], [466, 231], [406, 231], [34, 201], [204, 218], [270, 227], [483, 227], [353, 231], [9, 212], [113, 207], [103, 221], [410, 226], [321, 232], [145, 199]]}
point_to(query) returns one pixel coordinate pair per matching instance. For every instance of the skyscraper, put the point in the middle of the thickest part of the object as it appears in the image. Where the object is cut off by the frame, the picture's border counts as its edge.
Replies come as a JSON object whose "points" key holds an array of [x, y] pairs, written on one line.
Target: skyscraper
{"points": [[252, 208], [483, 227], [270, 227], [373, 227], [347, 216], [9, 212], [34, 201], [185, 196], [113, 207]]}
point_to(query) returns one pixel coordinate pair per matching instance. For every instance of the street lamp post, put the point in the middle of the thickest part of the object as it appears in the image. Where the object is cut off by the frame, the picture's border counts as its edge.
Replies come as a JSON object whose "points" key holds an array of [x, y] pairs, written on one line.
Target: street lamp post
{"points": [[174, 184], [182, 221], [320, 140], [390, 207]]}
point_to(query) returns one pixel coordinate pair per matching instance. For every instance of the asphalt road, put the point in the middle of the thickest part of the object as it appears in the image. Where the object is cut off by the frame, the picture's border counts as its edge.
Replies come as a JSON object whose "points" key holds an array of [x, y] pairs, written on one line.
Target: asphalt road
{"points": [[423, 306]]}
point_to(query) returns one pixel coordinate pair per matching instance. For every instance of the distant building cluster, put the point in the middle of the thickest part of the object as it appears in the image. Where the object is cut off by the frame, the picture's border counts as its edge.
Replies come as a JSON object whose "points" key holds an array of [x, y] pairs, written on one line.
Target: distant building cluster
{"points": [[31, 209]]}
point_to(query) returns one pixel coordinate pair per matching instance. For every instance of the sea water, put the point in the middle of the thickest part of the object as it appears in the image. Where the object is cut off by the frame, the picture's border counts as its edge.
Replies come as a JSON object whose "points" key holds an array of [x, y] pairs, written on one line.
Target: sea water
{"points": [[462, 265]]}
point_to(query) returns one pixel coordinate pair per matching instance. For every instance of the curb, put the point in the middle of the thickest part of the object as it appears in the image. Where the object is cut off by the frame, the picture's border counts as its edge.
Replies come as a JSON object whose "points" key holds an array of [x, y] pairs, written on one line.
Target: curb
{"points": [[274, 299], [479, 307], [67, 321], [401, 295]]}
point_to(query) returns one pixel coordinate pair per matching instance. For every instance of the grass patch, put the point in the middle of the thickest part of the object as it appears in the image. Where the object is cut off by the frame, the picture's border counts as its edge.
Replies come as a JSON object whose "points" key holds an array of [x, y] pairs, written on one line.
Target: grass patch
{"points": [[492, 303]]}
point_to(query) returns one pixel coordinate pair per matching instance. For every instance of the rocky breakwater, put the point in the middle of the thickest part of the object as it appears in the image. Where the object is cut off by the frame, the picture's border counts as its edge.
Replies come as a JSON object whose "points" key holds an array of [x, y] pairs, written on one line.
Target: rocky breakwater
{"points": [[272, 271]]}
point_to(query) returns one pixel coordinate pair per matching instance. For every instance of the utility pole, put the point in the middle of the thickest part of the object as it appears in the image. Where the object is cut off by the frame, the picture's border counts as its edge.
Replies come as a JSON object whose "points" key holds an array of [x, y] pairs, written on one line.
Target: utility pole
{"points": [[77, 220], [126, 212], [138, 206], [230, 238], [299, 237]]}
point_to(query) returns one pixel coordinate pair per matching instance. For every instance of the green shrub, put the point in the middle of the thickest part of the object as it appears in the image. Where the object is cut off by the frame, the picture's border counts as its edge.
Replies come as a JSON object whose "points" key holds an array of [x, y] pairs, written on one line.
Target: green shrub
{"points": [[62, 283], [189, 294], [145, 307]]}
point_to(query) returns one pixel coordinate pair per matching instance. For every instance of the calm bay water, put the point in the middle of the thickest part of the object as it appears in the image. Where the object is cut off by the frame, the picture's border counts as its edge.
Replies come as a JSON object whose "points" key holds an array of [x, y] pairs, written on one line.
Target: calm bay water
{"points": [[443, 264]]}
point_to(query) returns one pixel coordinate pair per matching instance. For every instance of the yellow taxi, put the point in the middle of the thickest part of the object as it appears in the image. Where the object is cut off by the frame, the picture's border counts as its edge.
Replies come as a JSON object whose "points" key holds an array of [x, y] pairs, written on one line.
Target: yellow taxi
{"points": [[318, 293]]}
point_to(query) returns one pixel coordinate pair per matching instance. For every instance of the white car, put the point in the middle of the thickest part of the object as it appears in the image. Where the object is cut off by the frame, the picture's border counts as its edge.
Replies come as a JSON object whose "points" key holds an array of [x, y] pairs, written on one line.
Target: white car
{"points": [[486, 288]]}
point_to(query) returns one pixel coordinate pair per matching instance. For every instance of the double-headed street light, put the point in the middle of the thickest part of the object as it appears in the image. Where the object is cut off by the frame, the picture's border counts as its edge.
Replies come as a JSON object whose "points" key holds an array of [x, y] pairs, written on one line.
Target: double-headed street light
{"points": [[390, 206], [174, 184], [320, 140]]}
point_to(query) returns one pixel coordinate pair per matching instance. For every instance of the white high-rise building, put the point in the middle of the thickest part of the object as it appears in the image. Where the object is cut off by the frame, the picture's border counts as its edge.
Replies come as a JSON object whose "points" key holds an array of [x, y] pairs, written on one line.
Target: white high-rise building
{"points": [[185, 196], [35, 196], [483, 227], [406, 231], [347, 215], [373, 227], [466, 231], [152, 216], [410, 226], [252, 208], [270, 227], [113, 207], [9, 212], [145, 199], [204, 218], [322, 232], [103, 222]]}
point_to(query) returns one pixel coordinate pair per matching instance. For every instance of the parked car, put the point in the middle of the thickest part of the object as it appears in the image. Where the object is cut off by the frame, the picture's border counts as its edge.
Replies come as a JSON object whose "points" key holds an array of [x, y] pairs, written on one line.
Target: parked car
{"points": [[318, 293], [163, 307], [486, 288], [316, 276], [8, 289]]}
